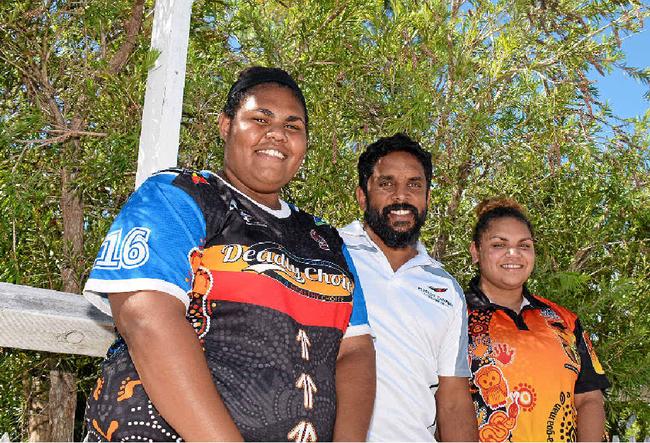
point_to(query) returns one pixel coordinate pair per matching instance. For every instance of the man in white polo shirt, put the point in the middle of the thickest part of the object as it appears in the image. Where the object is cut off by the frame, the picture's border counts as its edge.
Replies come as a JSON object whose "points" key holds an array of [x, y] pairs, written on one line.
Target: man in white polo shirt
{"points": [[416, 309]]}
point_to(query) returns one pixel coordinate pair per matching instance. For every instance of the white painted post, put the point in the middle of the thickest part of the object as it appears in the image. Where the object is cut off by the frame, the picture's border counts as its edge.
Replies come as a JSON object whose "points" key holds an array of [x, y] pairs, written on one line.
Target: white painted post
{"points": [[163, 101]]}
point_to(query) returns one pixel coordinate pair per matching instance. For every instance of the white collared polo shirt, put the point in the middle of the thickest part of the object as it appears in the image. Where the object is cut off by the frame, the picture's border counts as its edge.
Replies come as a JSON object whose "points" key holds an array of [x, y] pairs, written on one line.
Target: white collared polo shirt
{"points": [[419, 318]]}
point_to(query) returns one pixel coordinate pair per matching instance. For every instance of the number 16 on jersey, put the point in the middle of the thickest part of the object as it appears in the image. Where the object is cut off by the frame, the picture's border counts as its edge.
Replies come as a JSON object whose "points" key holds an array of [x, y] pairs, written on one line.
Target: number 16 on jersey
{"points": [[128, 252]]}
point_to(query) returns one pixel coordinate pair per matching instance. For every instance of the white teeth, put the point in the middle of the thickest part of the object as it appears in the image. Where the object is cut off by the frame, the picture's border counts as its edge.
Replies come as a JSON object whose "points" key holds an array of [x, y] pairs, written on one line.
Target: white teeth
{"points": [[273, 153], [401, 212], [511, 266]]}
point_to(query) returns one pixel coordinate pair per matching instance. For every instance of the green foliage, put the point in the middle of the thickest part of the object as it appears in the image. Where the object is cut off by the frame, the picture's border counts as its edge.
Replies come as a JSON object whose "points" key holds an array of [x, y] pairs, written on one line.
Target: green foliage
{"points": [[495, 90], [19, 368], [56, 54]]}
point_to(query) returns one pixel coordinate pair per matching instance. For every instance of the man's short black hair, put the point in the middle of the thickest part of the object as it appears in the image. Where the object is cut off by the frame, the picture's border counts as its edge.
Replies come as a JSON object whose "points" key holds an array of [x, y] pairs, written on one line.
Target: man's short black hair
{"points": [[386, 145]]}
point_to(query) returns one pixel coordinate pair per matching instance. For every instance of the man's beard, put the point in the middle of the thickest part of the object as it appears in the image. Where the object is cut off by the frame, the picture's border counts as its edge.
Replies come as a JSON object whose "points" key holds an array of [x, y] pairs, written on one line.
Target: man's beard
{"points": [[380, 225]]}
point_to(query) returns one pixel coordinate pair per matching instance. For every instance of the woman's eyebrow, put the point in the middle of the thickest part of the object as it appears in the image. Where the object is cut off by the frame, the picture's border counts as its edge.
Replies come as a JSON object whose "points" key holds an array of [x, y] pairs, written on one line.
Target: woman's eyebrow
{"points": [[265, 111], [498, 237], [269, 113]]}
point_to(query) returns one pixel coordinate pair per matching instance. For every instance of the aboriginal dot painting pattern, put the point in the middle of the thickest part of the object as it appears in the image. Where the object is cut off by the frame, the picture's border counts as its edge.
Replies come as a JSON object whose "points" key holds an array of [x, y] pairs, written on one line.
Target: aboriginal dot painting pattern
{"points": [[283, 390], [119, 409]]}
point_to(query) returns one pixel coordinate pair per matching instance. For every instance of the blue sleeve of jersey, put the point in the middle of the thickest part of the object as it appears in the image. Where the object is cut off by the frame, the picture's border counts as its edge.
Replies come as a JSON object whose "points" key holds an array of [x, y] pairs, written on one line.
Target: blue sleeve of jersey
{"points": [[148, 245], [359, 324]]}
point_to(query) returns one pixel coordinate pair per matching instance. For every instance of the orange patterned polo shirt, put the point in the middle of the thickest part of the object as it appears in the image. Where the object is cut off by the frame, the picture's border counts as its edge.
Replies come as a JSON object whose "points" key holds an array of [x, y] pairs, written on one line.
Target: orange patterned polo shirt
{"points": [[527, 368]]}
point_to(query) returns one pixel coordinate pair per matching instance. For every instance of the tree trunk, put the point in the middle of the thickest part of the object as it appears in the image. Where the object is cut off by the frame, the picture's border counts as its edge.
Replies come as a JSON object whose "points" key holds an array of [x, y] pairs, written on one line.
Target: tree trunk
{"points": [[63, 403], [63, 389], [38, 421], [73, 225]]}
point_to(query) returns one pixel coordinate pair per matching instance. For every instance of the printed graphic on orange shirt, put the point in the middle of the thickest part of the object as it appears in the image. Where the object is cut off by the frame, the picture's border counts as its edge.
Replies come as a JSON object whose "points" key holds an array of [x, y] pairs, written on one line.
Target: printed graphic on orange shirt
{"points": [[500, 424], [492, 385], [527, 397], [479, 348], [564, 335], [526, 376], [594, 358], [503, 353], [496, 407], [561, 422], [568, 341], [479, 343], [479, 323]]}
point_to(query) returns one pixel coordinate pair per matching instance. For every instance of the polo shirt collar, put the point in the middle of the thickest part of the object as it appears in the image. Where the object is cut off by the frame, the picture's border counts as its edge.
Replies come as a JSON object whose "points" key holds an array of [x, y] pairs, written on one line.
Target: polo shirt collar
{"points": [[421, 259], [476, 298]]}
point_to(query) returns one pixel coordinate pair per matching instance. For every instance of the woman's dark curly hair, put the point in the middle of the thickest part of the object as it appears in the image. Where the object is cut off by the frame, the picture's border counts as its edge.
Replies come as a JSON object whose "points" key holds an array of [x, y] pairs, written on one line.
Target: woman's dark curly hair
{"points": [[496, 208]]}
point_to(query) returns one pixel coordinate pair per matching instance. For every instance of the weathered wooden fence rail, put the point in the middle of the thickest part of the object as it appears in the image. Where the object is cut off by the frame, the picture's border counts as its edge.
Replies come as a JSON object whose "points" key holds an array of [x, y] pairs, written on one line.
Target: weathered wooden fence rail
{"points": [[52, 321], [58, 322]]}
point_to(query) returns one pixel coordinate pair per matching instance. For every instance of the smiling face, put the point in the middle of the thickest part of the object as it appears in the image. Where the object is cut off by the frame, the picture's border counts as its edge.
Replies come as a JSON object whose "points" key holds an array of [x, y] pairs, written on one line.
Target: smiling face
{"points": [[505, 255], [395, 204], [265, 142]]}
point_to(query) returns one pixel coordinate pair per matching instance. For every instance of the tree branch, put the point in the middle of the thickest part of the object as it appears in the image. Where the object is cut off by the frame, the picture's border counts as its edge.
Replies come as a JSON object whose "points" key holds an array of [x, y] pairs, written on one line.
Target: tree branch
{"points": [[132, 28], [65, 135]]}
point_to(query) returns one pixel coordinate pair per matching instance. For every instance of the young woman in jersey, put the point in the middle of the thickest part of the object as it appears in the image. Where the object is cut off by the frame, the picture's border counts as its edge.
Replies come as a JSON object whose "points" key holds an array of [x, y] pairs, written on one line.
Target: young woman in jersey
{"points": [[535, 376], [235, 310]]}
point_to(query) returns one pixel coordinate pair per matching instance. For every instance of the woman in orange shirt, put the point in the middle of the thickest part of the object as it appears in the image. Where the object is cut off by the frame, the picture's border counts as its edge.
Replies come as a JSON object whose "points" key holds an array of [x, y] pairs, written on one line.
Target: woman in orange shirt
{"points": [[535, 376]]}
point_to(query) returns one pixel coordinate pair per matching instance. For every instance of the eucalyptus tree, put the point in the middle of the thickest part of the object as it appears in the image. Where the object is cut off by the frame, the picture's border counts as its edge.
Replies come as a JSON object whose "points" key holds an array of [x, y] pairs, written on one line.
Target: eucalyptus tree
{"points": [[72, 86]]}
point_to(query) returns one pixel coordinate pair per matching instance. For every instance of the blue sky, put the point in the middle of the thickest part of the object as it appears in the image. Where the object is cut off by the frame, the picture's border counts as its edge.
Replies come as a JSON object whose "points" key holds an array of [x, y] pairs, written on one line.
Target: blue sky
{"points": [[625, 94]]}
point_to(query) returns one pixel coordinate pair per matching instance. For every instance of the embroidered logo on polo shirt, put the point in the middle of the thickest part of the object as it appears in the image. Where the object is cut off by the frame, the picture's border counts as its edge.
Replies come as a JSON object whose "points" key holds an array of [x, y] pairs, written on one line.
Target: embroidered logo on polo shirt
{"points": [[432, 293]]}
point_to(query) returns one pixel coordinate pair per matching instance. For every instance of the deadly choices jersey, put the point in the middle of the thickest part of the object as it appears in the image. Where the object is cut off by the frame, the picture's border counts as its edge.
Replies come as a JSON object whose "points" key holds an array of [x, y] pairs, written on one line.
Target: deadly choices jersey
{"points": [[269, 293], [527, 368]]}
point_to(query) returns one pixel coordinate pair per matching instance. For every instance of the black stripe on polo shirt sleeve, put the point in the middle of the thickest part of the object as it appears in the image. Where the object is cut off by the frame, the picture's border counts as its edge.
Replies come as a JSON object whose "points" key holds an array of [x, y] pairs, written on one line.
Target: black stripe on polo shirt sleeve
{"points": [[591, 376]]}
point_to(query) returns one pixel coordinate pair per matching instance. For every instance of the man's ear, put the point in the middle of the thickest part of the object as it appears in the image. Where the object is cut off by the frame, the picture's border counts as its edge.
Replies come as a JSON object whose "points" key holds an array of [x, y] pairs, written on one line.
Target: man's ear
{"points": [[224, 125], [473, 250], [361, 197]]}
